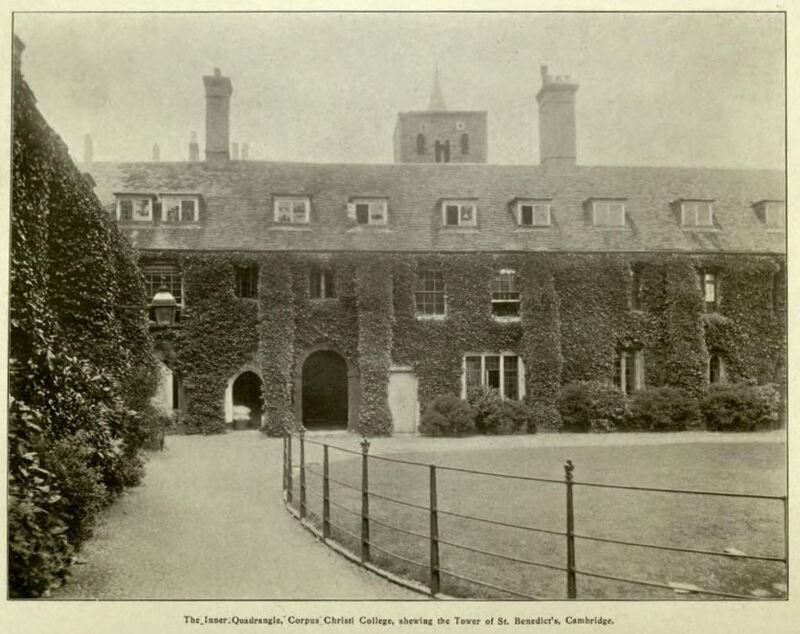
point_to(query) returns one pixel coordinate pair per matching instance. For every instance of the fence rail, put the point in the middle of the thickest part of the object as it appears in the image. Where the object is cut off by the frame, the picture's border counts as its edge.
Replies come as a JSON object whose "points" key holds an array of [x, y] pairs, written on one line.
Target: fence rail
{"points": [[435, 540]]}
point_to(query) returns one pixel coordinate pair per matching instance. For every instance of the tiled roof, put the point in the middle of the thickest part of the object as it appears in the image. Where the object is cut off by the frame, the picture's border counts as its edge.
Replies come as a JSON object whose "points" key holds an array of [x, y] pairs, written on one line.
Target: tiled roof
{"points": [[237, 209]]}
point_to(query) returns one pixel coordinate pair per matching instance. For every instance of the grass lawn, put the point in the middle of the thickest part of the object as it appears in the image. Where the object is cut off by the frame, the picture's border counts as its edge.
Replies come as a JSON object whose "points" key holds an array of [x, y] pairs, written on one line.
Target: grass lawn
{"points": [[710, 523]]}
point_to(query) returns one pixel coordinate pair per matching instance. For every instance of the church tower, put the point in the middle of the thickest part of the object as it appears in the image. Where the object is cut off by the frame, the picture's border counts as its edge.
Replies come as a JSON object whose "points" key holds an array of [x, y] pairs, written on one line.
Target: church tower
{"points": [[439, 135]]}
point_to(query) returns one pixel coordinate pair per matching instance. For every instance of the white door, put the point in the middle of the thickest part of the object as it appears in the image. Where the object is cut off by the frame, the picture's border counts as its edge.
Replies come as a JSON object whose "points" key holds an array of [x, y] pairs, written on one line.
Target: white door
{"points": [[403, 402]]}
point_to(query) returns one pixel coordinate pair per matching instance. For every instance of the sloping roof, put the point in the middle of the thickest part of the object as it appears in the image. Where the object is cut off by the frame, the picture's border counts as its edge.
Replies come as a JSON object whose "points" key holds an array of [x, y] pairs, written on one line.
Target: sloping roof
{"points": [[237, 209]]}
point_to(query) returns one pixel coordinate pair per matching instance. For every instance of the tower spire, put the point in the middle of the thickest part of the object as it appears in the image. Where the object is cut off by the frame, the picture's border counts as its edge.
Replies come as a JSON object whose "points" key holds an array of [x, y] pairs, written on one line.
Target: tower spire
{"points": [[437, 100]]}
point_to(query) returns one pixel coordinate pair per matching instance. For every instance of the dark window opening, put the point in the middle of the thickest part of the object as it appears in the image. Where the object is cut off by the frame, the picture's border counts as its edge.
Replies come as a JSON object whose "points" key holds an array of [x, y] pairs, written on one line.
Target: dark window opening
{"points": [[321, 283], [362, 213], [710, 285], [247, 282], [465, 143], [421, 143], [636, 288], [716, 372], [442, 152]]}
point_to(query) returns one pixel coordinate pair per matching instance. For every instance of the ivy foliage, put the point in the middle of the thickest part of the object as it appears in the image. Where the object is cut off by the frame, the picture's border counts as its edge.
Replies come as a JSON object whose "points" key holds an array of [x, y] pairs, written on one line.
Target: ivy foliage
{"points": [[81, 362], [577, 313]]}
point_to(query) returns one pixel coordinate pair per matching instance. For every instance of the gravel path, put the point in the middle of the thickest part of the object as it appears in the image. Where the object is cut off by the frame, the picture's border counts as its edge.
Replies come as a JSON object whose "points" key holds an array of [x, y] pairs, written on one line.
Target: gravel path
{"points": [[208, 523]]}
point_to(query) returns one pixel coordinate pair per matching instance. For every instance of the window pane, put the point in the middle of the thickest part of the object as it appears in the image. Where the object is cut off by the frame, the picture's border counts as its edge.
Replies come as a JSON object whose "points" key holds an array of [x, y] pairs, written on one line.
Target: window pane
{"points": [[467, 214], [330, 291], [526, 214], [377, 214], [618, 370], [541, 215], [284, 211], [315, 283], [362, 213], [188, 211], [126, 209], [710, 287], [493, 372], [630, 372], [299, 215], [704, 214], [171, 210], [141, 209], [511, 377], [167, 276], [429, 292], [473, 365], [451, 214]]}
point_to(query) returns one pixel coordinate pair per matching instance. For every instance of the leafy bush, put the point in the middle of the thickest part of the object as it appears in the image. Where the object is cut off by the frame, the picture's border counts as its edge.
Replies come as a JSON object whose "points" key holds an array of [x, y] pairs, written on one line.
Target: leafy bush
{"points": [[739, 407], [486, 403], [662, 409], [448, 415], [591, 406], [543, 416], [511, 417]]}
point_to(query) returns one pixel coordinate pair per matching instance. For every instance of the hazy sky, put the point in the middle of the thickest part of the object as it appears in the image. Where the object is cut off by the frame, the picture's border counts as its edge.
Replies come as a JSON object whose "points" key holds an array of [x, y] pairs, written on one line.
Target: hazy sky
{"points": [[655, 89]]}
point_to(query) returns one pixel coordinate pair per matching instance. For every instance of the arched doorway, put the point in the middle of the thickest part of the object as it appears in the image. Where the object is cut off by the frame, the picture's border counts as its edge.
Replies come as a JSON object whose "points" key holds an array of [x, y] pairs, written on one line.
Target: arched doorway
{"points": [[246, 396], [324, 391]]}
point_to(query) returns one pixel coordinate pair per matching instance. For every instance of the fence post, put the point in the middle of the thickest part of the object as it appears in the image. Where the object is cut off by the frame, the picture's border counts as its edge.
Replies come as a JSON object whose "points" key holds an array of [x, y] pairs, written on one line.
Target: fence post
{"points": [[364, 500], [302, 474], [289, 485], [283, 467], [326, 495], [434, 557], [571, 585]]}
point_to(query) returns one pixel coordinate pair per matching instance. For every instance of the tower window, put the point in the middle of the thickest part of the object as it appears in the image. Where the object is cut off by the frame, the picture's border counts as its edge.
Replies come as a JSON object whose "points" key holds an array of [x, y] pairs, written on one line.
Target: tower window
{"points": [[465, 143], [421, 147], [442, 152]]}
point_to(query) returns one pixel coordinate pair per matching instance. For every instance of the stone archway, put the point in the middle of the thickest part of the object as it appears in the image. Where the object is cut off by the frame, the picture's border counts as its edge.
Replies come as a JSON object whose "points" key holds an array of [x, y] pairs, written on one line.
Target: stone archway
{"points": [[327, 393], [244, 406]]}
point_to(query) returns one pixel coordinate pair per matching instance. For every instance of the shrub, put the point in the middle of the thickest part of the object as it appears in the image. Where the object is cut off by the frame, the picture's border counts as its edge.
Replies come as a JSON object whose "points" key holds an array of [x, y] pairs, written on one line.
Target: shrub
{"points": [[739, 407], [591, 406], [543, 416], [485, 402], [447, 415], [662, 409], [511, 417]]}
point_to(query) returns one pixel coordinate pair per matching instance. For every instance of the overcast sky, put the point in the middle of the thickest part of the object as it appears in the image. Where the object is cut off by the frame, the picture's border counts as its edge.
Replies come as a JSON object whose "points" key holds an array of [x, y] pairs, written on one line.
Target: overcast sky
{"points": [[655, 89]]}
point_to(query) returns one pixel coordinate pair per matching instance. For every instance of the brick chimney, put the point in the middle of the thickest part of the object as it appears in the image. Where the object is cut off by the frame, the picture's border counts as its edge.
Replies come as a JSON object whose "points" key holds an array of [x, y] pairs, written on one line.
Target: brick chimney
{"points": [[556, 120], [218, 97], [194, 148]]}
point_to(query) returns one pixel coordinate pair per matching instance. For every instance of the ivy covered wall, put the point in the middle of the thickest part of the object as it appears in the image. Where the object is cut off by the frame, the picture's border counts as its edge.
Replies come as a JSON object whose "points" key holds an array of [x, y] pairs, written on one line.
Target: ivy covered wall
{"points": [[576, 314]]}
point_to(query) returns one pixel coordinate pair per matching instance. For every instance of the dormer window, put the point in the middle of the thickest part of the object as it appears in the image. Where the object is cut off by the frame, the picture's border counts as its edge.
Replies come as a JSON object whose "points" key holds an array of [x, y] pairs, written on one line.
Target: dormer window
{"points": [[368, 211], [179, 209], [697, 213], [772, 213], [608, 213], [293, 210], [459, 213], [533, 213], [134, 208]]}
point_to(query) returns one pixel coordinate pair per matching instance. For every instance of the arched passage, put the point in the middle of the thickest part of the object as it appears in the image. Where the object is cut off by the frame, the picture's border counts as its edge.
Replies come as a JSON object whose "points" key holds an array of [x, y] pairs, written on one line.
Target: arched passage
{"points": [[324, 391], [246, 400]]}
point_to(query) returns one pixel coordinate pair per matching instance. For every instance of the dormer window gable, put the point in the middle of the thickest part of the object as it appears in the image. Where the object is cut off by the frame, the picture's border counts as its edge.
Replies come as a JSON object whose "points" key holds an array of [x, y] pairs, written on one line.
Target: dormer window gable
{"points": [[607, 212], [368, 210], [696, 213], [179, 208], [459, 212], [530, 212], [134, 207], [292, 209], [772, 213]]}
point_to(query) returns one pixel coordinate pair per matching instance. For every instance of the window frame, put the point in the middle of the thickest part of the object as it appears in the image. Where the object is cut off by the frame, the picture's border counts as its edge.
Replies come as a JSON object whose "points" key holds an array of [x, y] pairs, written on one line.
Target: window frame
{"points": [[691, 208], [623, 356], [251, 271], [598, 203], [370, 202], [166, 198], [133, 198], [709, 278], [174, 270], [719, 370], [501, 361], [430, 293], [460, 203], [322, 276], [293, 200], [518, 212], [496, 301]]}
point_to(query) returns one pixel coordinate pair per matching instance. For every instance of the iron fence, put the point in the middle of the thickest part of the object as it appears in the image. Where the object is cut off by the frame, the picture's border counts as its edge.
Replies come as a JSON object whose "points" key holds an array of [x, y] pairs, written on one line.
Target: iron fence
{"points": [[435, 540]]}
